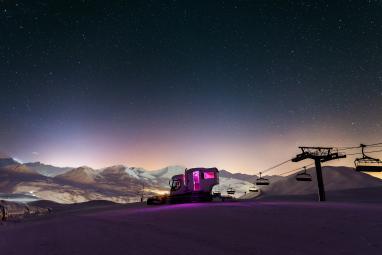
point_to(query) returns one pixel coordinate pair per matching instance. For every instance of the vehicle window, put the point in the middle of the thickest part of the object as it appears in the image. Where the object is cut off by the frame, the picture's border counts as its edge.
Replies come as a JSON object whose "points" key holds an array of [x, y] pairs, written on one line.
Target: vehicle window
{"points": [[209, 175], [175, 185]]}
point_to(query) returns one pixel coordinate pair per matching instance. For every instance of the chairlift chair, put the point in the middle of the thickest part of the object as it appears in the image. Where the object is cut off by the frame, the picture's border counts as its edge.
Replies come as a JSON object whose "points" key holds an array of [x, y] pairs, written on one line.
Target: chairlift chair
{"points": [[231, 191], [253, 189], [366, 163], [216, 193], [262, 180], [304, 176]]}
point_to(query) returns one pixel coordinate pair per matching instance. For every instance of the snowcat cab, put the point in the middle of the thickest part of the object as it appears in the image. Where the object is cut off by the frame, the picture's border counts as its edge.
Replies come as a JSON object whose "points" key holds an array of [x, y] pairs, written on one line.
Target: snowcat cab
{"points": [[194, 185]]}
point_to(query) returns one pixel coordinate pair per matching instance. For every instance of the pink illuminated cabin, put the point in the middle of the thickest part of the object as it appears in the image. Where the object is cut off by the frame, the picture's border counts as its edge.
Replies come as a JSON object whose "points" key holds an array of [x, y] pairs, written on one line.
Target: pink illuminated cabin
{"points": [[194, 185]]}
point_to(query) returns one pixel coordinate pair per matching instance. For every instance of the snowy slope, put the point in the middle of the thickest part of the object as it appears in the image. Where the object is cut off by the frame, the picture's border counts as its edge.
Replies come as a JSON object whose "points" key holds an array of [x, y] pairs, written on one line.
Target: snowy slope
{"points": [[140, 173], [168, 172]]}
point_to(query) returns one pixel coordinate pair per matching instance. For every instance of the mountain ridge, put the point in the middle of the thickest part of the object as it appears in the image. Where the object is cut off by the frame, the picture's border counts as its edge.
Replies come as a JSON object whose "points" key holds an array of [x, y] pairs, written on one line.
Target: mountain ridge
{"points": [[121, 183], [46, 169]]}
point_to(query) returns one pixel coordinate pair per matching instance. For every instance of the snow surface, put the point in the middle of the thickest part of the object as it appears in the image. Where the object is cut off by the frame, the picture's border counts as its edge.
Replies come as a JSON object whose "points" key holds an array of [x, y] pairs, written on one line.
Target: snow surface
{"points": [[133, 173], [264, 228]]}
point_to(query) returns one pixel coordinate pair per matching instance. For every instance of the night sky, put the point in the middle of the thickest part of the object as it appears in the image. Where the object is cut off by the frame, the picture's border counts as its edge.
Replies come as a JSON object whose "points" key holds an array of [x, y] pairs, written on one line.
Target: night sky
{"points": [[232, 84]]}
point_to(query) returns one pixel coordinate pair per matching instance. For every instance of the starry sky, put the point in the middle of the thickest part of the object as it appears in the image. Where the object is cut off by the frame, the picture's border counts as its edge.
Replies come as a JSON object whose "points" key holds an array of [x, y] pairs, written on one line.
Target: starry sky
{"points": [[232, 84]]}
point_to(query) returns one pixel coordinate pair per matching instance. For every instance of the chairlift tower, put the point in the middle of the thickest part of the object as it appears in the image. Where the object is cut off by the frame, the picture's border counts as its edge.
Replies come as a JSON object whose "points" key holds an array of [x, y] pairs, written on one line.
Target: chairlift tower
{"points": [[319, 155]]}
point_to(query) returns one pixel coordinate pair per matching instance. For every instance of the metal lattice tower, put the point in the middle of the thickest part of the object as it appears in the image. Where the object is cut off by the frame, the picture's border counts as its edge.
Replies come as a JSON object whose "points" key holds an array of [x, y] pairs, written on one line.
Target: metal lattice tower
{"points": [[318, 154]]}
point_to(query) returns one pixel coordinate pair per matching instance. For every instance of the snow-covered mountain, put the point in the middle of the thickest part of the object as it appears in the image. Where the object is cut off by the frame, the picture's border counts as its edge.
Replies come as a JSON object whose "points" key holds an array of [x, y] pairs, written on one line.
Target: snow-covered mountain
{"points": [[8, 161], [47, 170], [81, 174], [117, 183], [120, 183]]}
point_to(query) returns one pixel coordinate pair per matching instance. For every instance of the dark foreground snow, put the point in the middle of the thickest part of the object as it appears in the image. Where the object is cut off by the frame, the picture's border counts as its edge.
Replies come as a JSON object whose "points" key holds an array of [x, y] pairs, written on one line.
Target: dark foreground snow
{"points": [[255, 227]]}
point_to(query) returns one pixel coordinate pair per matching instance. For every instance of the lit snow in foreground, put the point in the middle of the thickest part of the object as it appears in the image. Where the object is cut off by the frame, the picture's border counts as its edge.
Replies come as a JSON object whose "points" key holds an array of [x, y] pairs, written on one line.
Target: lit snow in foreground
{"points": [[210, 228]]}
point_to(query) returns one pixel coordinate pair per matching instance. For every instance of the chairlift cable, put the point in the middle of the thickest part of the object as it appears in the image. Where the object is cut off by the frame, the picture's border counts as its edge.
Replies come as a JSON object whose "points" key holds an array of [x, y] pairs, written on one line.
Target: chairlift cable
{"points": [[291, 171], [373, 151], [275, 166], [347, 148], [356, 147], [296, 169], [338, 149], [374, 145], [359, 153]]}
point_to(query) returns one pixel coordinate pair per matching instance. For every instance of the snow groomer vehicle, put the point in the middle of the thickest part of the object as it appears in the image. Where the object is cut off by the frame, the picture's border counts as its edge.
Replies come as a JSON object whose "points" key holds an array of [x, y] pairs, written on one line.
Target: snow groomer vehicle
{"points": [[195, 185]]}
